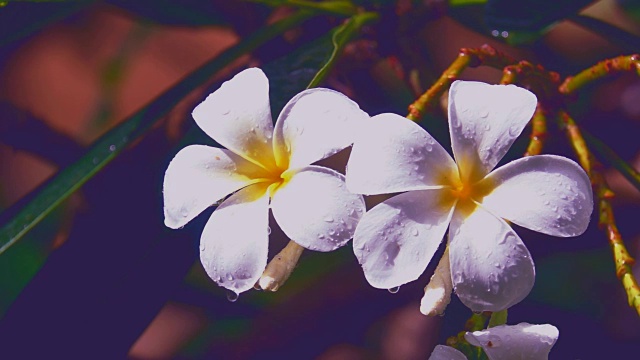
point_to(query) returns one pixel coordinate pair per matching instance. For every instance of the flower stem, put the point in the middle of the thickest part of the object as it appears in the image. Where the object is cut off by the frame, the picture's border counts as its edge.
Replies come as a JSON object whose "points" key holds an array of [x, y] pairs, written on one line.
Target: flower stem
{"points": [[341, 36], [498, 318], [538, 132], [623, 261], [280, 267], [628, 63], [484, 55]]}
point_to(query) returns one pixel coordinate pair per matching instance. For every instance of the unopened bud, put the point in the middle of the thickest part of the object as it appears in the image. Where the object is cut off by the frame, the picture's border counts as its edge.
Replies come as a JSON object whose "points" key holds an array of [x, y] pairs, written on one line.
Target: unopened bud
{"points": [[280, 267], [437, 294]]}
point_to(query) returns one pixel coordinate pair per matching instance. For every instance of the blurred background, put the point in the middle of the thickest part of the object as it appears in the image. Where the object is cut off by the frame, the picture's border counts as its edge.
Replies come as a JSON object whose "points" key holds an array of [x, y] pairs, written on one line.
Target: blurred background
{"points": [[101, 277]]}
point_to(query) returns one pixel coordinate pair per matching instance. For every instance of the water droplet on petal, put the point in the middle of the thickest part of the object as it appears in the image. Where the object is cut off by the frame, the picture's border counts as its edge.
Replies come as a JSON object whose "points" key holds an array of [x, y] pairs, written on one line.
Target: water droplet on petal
{"points": [[484, 113], [202, 247], [229, 277], [232, 296], [268, 230], [329, 219], [513, 131], [414, 232], [394, 290]]}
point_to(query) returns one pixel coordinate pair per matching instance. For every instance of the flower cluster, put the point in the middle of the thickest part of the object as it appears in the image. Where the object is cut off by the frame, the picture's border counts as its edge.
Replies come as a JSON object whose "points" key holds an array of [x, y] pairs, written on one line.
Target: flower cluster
{"points": [[272, 167]]}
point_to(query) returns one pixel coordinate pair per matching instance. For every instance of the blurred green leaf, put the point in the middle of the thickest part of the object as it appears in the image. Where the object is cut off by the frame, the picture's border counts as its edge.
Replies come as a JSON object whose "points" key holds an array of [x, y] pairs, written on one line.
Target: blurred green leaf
{"points": [[511, 20], [111, 144], [609, 157], [336, 7], [21, 19], [174, 12]]}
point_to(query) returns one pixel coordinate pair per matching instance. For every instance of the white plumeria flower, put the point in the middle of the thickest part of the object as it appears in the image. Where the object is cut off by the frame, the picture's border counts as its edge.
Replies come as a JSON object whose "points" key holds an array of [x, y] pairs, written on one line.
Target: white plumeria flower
{"points": [[506, 342], [491, 268], [264, 168]]}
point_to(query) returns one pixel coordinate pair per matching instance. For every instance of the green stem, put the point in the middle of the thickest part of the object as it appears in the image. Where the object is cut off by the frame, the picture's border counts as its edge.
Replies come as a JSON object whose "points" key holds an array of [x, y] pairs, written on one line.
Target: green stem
{"points": [[498, 318], [105, 149], [335, 7], [341, 36]]}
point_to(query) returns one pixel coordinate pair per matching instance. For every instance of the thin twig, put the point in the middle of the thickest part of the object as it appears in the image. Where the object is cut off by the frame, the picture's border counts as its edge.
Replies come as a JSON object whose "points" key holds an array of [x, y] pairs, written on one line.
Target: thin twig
{"points": [[623, 261], [628, 63], [485, 55]]}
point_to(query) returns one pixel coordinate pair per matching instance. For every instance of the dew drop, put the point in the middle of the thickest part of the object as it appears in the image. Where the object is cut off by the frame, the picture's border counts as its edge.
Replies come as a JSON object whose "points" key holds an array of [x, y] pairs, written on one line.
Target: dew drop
{"points": [[513, 131], [414, 232], [394, 290], [268, 230], [112, 148], [232, 296], [202, 247], [229, 277], [329, 219], [484, 113]]}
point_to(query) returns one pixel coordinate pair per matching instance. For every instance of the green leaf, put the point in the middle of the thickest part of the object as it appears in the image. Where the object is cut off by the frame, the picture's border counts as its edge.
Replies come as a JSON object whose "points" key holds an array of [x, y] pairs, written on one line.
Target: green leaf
{"points": [[609, 157], [111, 144]]}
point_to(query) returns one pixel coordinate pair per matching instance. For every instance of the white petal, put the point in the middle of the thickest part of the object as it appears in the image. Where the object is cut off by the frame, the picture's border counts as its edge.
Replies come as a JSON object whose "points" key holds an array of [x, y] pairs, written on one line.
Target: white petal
{"points": [[395, 240], [234, 243], [314, 125], [491, 267], [523, 341], [394, 154], [484, 121], [315, 209], [442, 352], [546, 193], [200, 175], [238, 116]]}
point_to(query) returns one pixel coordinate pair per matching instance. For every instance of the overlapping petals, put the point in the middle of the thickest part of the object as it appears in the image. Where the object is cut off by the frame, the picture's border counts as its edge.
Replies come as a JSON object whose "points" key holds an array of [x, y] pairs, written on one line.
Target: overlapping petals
{"points": [[316, 210], [396, 239], [244, 219], [200, 175], [546, 193], [491, 268], [393, 154], [506, 342], [523, 341], [263, 169], [484, 121], [314, 125]]}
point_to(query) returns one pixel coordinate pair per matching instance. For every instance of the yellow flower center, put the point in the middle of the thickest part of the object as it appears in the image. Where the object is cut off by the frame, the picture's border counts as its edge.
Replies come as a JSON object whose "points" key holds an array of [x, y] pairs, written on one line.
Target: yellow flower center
{"points": [[466, 193]]}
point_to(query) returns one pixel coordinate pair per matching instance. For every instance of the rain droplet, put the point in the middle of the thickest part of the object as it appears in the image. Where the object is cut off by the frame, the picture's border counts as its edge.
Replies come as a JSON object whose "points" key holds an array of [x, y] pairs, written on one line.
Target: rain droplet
{"points": [[225, 111], [484, 113], [495, 33], [202, 247], [328, 219], [232, 296], [229, 277], [268, 230], [112, 148], [513, 131], [414, 232], [504, 34], [394, 290]]}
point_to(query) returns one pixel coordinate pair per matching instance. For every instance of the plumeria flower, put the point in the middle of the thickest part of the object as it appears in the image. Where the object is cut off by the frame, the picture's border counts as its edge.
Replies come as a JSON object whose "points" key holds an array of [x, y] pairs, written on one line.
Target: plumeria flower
{"points": [[264, 168], [516, 342], [490, 267]]}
